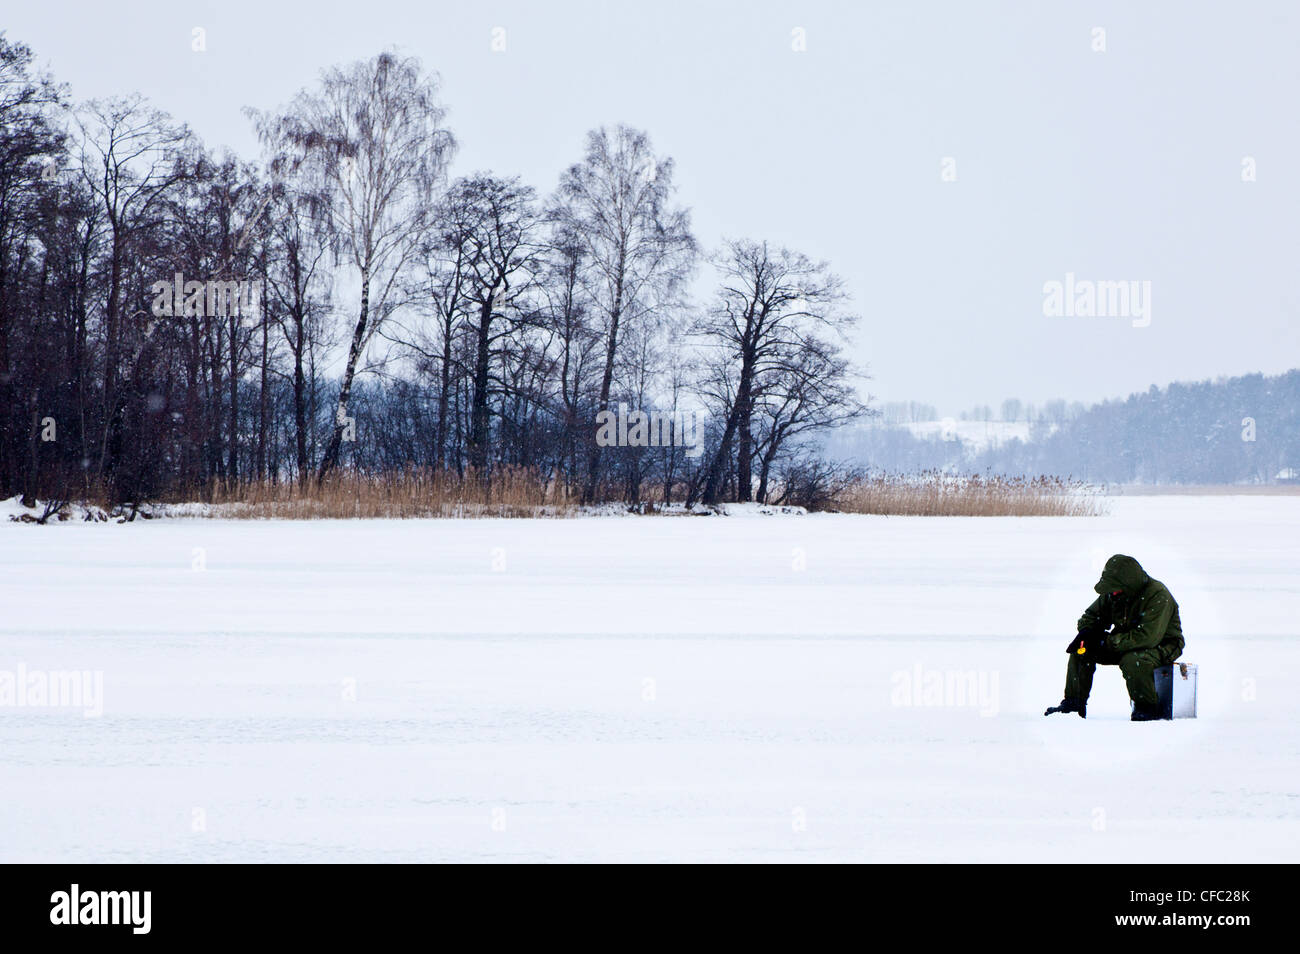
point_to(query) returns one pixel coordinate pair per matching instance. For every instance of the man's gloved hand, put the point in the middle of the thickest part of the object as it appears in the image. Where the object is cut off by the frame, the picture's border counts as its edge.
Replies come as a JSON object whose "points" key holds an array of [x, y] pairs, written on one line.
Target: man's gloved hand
{"points": [[1092, 639]]}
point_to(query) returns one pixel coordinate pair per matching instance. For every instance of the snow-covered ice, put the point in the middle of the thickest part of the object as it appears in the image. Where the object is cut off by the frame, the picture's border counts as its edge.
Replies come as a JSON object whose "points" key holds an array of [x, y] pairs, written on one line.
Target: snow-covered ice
{"points": [[643, 689]]}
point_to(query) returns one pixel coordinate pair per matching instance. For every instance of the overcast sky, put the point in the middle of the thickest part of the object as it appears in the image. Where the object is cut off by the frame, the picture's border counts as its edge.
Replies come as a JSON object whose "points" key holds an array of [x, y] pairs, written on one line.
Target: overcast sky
{"points": [[1122, 165]]}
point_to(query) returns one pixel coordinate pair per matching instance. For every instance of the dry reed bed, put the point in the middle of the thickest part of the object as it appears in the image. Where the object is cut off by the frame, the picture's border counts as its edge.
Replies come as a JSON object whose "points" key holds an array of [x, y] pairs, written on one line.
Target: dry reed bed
{"points": [[933, 494], [414, 494], [410, 494]]}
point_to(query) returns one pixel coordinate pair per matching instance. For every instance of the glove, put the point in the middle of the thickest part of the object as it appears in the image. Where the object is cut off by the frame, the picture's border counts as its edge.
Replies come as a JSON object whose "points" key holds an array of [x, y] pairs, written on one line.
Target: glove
{"points": [[1091, 639]]}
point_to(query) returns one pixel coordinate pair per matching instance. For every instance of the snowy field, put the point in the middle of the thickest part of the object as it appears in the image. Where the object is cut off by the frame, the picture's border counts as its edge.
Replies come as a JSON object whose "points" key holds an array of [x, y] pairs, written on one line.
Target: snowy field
{"points": [[642, 689]]}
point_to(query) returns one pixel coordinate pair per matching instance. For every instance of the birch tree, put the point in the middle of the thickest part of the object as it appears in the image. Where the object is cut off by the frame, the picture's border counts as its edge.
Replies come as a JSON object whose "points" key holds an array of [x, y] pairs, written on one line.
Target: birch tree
{"points": [[638, 247], [372, 133]]}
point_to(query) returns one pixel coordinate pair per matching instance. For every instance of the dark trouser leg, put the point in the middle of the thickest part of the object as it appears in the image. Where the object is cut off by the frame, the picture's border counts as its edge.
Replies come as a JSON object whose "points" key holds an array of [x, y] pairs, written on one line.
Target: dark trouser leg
{"points": [[1139, 668], [1078, 677]]}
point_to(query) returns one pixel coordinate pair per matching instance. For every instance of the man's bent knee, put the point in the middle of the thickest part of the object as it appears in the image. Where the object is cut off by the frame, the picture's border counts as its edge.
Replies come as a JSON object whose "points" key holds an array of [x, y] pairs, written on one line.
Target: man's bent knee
{"points": [[1137, 661]]}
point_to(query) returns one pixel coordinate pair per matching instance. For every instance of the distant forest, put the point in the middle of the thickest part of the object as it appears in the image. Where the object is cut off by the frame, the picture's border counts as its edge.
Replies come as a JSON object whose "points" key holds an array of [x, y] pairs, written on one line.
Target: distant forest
{"points": [[1242, 430]]}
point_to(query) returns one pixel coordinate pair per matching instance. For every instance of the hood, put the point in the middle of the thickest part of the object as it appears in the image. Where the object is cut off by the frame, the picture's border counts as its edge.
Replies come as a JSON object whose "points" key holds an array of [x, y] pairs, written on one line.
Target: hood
{"points": [[1122, 573]]}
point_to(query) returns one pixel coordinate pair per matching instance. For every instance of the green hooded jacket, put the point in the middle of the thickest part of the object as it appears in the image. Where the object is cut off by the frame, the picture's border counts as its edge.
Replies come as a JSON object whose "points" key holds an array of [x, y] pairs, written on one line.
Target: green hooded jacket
{"points": [[1143, 611]]}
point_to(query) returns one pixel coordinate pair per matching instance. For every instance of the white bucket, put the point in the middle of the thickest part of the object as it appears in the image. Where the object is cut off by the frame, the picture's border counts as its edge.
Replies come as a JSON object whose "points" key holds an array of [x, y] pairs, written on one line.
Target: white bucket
{"points": [[1176, 689]]}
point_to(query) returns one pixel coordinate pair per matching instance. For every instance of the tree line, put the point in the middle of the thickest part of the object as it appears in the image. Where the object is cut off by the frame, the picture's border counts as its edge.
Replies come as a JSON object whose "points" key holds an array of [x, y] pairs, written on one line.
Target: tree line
{"points": [[1236, 430], [175, 321]]}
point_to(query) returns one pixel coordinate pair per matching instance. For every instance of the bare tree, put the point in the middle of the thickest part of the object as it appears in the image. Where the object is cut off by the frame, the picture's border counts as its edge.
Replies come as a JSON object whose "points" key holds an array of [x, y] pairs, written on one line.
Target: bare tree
{"points": [[567, 315], [437, 289], [638, 246], [766, 333], [30, 145], [130, 160], [501, 256], [299, 286], [372, 134]]}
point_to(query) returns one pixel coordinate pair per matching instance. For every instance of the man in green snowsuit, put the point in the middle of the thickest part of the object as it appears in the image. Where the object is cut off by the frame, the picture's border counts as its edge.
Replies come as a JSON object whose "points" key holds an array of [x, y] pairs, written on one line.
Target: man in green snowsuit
{"points": [[1132, 624]]}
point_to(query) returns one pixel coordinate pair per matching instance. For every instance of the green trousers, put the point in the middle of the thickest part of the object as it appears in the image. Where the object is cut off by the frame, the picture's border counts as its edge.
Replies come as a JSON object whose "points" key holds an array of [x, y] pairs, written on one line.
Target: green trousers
{"points": [[1138, 667]]}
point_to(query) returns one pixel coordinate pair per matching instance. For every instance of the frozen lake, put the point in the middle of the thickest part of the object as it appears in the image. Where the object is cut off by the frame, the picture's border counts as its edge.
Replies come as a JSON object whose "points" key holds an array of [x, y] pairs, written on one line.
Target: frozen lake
{"points": [[643, 689]]}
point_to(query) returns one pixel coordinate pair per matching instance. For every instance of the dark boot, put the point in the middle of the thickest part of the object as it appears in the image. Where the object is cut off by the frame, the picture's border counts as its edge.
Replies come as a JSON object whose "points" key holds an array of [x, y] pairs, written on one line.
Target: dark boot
{"points": [[1071, 705], [1146, 713]]}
